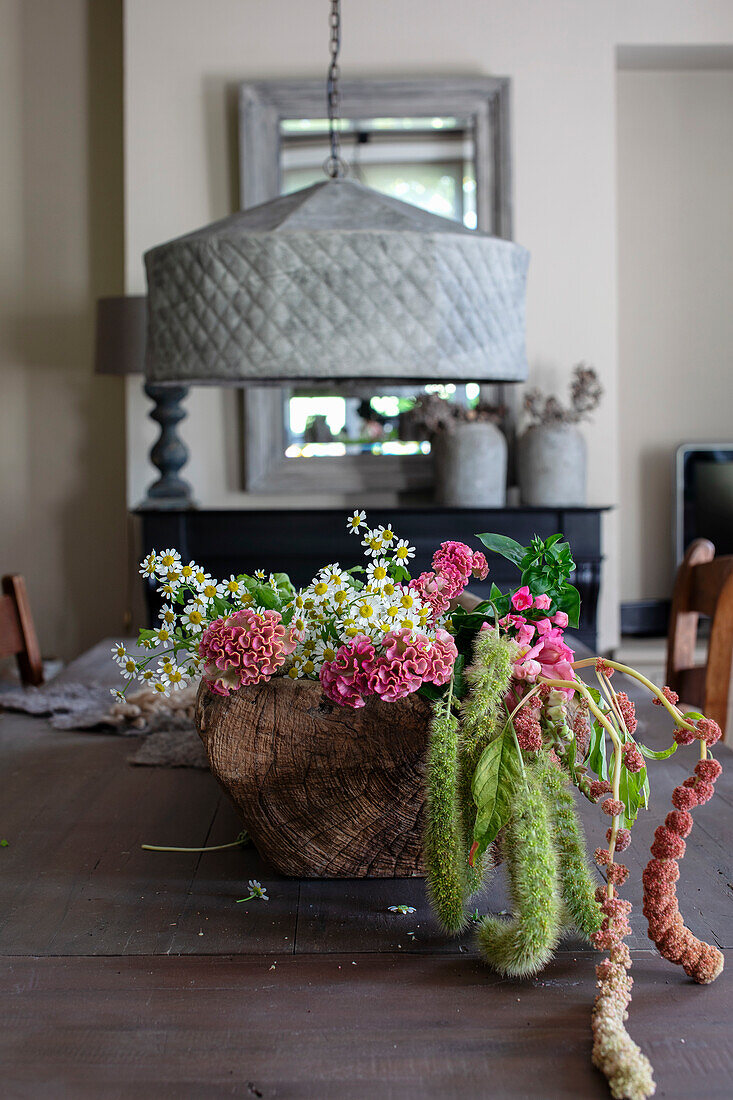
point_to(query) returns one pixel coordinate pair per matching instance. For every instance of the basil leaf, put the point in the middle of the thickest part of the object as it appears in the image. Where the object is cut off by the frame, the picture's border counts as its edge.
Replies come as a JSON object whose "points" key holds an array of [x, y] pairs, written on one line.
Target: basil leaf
{"points": [[498, 775], [502, 544]]}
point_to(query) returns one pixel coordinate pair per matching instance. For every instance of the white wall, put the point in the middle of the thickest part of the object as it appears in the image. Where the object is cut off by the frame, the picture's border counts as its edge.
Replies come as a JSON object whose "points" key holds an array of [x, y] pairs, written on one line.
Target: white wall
{"points": [[675, 231], [185, 57], [62, 503]]}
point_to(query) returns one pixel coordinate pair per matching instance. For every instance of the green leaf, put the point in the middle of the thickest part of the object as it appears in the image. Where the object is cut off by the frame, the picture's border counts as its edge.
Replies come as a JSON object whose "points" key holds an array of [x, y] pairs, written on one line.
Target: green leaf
{"points": [[498, 775], [662, 754], [568, 600], [597, 750], [459, 682], [502, 544], [430, 691]]}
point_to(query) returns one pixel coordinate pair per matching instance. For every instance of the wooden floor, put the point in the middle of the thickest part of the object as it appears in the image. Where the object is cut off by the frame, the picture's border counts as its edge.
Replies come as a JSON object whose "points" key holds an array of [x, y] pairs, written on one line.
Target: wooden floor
{"points": [[126, 973]]}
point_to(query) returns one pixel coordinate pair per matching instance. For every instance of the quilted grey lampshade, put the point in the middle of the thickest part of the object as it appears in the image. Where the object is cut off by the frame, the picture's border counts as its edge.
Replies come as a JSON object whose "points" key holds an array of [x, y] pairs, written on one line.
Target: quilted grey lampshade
{"points": [[336, 281]]}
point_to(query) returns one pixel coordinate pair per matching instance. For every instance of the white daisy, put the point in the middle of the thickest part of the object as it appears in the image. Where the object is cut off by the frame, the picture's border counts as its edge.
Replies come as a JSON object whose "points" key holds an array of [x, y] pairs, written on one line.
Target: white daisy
{"points": [[403, 551], [373, 544], [260, 574], [167, 615], [161, 686], [233, 588], [325, 651], [119, 652], [129, 668], [149, 565], [378, 572], [355, 521], [168, 559], [193, 617], [177, 678], [163, 635]]}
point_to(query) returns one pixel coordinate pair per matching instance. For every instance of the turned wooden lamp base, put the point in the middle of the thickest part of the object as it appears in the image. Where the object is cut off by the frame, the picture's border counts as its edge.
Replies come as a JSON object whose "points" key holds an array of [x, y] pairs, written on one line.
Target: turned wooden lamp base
{"points": [[324, 791]]}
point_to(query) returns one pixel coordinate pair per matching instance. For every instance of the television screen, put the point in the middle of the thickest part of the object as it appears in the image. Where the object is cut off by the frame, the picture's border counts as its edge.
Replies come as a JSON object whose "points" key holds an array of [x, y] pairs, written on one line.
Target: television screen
{"points": [[705, 495]]}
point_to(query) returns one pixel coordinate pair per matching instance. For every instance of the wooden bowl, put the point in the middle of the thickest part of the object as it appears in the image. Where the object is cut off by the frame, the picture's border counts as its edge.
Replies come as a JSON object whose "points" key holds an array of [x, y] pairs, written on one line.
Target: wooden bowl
{"points": [[324, 791]]}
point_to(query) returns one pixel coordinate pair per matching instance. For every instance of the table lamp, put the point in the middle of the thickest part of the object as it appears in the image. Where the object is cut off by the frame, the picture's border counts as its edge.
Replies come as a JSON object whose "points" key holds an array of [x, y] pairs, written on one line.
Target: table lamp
{"points": [[121, 334]]}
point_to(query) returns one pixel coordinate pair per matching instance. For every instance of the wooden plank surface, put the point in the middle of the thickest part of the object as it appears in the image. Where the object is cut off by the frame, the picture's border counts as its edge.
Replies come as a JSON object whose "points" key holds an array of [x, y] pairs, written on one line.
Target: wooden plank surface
{"points": [[130, 973], [341, 1028]]}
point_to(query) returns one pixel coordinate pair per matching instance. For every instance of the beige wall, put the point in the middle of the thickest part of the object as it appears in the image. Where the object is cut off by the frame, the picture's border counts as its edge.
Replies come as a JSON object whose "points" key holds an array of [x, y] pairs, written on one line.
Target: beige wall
{"points": [[675, 221], [62, 518]]}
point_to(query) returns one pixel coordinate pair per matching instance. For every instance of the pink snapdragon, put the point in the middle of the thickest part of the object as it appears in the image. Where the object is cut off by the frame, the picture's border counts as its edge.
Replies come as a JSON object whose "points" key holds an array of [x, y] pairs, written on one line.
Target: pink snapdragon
{"points": [[245, 648], [522, 599], [542, 602], [345, 679], [560, 619]]}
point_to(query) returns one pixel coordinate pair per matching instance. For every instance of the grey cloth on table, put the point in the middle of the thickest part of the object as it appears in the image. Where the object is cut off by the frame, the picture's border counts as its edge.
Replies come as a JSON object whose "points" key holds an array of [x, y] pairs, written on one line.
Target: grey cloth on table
{"points": [[170, 739]]}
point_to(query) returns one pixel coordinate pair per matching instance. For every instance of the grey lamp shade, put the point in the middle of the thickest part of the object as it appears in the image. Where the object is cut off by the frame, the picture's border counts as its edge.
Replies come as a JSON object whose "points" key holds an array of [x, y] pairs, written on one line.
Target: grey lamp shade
{"points": [[333, 282], [121, 335]]}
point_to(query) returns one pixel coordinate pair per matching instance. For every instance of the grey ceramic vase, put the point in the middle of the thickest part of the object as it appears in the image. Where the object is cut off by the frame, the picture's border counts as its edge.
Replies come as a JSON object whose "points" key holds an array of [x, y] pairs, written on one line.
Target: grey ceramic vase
{"points": [[470, 466], [552, 461]]}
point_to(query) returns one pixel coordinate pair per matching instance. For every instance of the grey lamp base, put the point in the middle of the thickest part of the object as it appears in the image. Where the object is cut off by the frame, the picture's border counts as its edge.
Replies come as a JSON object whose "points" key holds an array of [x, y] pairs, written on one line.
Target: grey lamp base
{"points": [[169, 453]]}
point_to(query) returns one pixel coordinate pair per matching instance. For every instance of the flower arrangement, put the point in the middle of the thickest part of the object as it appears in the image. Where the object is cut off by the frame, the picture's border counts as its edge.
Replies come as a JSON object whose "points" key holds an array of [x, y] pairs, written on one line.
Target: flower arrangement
{"points": [[585, 397], [514, 729]]}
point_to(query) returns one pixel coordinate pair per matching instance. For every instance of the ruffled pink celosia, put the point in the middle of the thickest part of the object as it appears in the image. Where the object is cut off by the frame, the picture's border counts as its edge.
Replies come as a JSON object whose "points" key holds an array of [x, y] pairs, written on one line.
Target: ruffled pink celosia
{"points": [[456, 554], [244, 648], [480, 566], [442, 654], [431, 588], [345, 679], [402, 668]]}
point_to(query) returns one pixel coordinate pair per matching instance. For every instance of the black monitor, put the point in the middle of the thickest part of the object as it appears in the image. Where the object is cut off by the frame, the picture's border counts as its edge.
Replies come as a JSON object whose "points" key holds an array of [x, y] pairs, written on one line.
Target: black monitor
{"points": [[704, 488]]}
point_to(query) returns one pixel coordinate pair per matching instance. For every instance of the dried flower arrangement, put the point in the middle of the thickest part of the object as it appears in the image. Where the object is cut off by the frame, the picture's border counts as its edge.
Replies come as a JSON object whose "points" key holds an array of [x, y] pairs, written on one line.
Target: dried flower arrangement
{"points": [[585, 396], [513, 729], [432, 414]]}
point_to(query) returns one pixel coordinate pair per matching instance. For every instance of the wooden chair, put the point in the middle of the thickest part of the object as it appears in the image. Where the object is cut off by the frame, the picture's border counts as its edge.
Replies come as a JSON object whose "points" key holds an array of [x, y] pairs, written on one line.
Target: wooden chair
{"points": [[17, 632], [704, 585]]}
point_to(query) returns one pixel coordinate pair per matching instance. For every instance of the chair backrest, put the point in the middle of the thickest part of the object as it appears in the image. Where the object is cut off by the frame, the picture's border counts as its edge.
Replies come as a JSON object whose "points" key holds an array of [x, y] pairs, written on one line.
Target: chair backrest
{"points": [[17, 632], [704, 586]]}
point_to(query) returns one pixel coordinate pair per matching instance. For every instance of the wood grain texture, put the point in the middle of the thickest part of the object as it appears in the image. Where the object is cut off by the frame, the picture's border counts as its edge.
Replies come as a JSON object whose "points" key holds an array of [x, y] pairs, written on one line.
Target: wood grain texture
{"points": [[703, 586], [342, 1028], [324, 791]]}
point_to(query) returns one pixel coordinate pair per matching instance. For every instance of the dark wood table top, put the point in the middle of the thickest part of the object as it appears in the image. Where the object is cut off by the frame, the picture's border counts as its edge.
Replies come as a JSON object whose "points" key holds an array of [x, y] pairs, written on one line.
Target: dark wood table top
{"points": [[134, 973]]}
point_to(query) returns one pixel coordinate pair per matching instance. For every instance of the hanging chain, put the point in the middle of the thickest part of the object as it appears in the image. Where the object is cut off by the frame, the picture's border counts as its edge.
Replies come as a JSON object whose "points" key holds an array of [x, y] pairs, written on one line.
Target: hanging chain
{"points": [[334, 165]]}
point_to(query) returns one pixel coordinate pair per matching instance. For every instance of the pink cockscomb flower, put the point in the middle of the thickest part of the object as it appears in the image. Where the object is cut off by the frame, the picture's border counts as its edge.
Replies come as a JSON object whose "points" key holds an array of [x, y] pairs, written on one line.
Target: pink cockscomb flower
{"points": [[522, 599], [244, 648], [542, 602], [480, 566], [345, 679], [443, 654], [454, 553], [431, 588], [451, 579], [405, 663]]}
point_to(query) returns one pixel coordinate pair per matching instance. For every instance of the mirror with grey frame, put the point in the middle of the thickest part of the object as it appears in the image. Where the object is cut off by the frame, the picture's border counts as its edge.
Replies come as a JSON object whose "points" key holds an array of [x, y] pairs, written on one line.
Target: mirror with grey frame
{"points": [[442, 144]]}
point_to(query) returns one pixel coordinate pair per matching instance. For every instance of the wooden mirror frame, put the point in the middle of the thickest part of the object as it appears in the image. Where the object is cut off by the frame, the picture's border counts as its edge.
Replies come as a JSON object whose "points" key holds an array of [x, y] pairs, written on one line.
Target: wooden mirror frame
{"points": [[263, 105]]}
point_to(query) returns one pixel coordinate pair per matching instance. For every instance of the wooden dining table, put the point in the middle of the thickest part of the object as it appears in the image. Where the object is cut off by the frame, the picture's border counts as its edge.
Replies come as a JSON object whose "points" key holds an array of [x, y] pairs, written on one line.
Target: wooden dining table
{"points": [[131, 973]]}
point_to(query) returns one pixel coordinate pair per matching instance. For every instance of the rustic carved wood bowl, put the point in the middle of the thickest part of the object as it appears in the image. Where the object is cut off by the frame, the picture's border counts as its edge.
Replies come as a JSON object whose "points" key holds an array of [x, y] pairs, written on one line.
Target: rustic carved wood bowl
{"points": [[324, 791]]}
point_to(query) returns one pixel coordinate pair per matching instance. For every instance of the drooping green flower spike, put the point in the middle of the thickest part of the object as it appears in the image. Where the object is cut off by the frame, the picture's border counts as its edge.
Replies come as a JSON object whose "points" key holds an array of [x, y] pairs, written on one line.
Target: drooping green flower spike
{"points": [[522, 945], [446, 862], [576, 877]]}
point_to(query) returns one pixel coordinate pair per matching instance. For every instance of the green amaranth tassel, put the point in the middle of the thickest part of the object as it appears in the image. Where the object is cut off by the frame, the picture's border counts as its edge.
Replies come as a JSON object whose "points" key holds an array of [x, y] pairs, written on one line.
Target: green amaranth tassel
{"points": [[488, 677], [446, 859], [522, 945], [577, 881]]}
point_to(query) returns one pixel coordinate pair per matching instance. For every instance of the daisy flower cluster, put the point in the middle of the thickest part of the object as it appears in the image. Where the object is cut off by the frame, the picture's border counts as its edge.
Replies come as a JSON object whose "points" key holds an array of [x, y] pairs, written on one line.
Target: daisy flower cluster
{"points": [[208, 628], [371, 629], [375, 630]]}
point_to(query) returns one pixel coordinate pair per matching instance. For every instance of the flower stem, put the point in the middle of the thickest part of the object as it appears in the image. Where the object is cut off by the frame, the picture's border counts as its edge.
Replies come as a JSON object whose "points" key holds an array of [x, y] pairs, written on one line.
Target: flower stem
{"points": [[241, 839], [673, 710]]}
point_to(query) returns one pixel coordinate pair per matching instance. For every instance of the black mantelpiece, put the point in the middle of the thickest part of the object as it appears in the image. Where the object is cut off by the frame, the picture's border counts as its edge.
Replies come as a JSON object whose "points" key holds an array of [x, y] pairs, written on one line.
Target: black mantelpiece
{"points": [[300, 541]]}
